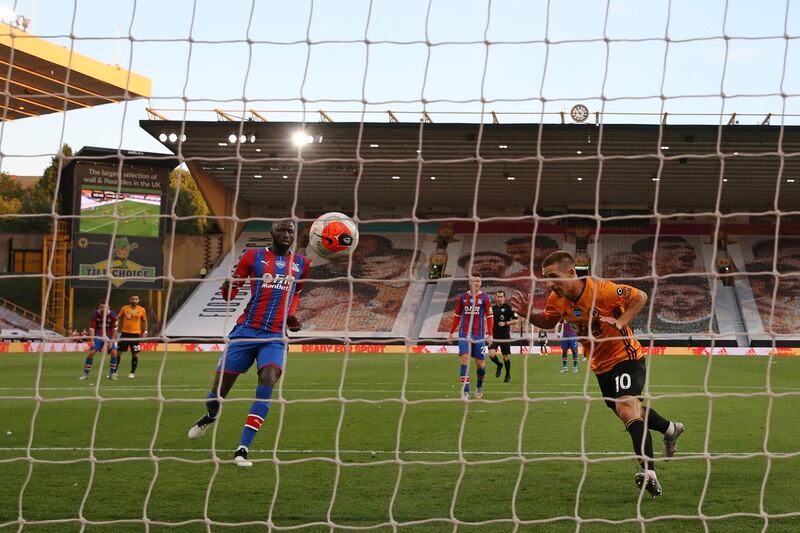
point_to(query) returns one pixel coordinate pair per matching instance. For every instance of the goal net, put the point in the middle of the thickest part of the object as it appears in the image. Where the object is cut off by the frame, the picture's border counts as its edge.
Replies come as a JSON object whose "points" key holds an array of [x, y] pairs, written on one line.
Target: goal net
{"points": [[657, 144]]}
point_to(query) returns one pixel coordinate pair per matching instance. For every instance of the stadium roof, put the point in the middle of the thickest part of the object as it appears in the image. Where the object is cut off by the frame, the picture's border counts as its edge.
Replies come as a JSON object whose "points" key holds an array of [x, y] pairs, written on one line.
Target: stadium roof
{"points": [[42, 77], [680, 168]]}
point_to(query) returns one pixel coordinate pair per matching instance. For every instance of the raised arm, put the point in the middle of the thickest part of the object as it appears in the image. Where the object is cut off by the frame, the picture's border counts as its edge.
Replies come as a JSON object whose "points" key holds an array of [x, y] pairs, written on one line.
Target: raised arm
{"points": [[540, 318]]}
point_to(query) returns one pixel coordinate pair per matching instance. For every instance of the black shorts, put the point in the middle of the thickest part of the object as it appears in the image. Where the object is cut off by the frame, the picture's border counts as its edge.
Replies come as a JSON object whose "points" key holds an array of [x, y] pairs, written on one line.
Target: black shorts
{"points": [[131, 343], [504, 345], [627, 378]]}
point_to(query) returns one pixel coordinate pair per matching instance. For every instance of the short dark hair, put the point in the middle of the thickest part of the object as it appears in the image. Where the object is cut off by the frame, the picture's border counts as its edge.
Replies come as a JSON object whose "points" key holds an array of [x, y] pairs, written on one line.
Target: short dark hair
{"points": [[501, 291], [561, 257], [475, 274]]}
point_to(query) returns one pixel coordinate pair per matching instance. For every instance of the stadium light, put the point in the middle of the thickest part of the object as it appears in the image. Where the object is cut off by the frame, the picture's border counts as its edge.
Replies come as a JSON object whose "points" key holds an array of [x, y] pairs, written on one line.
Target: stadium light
{"points": [[256, 175], [790, 180], [398, 177], [232, 138], [222, 144], [300, 138], [242, 138], [173, 137], [162, 137], [252, 137], [580, 179], [183, 137]]}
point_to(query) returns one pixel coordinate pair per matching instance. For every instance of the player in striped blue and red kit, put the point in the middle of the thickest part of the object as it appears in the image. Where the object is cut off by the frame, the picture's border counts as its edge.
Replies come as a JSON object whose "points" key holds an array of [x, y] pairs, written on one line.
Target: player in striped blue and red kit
{"points": [[473, 318], [102, 326], [569, 342], [276, 277]]}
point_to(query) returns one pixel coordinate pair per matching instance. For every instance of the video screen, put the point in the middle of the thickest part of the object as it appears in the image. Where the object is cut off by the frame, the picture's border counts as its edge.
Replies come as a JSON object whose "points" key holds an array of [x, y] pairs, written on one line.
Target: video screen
{"points": [[135, 214]]}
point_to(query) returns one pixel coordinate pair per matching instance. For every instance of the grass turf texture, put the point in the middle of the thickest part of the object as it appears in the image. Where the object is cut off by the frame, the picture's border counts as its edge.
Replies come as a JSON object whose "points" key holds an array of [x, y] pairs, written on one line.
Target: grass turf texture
{"points": [[131, 419], [136, 219]]}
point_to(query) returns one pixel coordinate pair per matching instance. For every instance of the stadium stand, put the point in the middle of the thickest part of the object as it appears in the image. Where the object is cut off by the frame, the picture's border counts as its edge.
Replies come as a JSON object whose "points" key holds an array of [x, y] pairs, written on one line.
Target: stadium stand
{"points": [[392, 295]]}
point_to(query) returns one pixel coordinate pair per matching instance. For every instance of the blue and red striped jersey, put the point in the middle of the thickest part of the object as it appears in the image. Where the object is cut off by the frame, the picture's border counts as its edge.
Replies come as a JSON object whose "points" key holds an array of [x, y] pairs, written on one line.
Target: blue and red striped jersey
{"points": [[567, 331], [473, 315], [275, 285], [100, 327]]}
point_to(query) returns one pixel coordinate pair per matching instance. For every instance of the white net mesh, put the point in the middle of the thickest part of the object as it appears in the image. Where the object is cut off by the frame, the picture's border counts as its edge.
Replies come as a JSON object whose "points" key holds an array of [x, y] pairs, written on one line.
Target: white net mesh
{"points": [[656, 143]]}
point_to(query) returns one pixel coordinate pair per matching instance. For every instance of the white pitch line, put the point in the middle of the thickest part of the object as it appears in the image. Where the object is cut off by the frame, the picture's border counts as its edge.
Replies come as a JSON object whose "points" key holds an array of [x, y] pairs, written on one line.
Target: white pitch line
{"points": [[192, 388], [368, 452]]}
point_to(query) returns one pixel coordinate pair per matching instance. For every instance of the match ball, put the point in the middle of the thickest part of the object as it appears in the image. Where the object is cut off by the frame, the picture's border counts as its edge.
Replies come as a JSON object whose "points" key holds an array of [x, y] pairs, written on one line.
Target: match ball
{"points": [[333, 236]]}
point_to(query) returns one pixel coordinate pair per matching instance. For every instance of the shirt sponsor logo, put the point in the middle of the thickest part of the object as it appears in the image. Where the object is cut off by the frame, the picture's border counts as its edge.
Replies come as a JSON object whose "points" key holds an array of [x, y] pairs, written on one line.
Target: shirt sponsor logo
{"points": [[472, 309]]}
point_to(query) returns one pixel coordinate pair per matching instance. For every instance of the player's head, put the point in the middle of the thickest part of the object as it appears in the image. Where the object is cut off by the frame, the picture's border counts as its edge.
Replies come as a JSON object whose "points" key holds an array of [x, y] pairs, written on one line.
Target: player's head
{"points": [[558, 269], [500, 297], [283, 233], [134, 301], [475, 281], [103, 307]]}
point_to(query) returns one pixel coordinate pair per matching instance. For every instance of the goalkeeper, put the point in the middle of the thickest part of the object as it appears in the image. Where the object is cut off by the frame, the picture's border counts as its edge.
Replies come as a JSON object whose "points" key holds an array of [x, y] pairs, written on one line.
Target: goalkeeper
{"points": [[616, 356]]}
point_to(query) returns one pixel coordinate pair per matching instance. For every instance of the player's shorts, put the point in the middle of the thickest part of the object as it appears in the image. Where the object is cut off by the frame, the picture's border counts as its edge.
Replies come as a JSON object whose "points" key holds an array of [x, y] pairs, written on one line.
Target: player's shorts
{"points": [[248, 345], [98, 345], [476, 348], [504, 346], [627, 378], [132, 342], [570, 345]]}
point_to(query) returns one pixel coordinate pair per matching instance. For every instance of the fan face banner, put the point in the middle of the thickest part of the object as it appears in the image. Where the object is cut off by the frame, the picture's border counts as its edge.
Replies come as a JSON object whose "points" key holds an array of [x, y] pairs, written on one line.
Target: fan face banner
{"points": [[118, 237]]}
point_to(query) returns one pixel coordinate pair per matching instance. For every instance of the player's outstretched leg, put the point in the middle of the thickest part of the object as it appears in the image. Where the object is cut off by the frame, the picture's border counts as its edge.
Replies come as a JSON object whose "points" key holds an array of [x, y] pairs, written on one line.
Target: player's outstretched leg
{"points": [[464, 375], [670, 430], [112, 367], [481, 375], [267, 377], [87, 366], [134, 363], [199, 428], [643, 447], [649, 479], [496, 361]]}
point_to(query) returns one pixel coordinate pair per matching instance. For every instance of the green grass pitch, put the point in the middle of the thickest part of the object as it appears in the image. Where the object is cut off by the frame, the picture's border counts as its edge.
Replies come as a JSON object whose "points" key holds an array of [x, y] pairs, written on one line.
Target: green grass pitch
{"points": [[720, 472], [136, 219]]}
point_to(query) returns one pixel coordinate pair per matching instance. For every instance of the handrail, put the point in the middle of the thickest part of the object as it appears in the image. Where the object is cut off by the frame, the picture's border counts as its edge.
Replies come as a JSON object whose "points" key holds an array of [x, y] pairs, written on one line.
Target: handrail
{"points": [[30, 315]]}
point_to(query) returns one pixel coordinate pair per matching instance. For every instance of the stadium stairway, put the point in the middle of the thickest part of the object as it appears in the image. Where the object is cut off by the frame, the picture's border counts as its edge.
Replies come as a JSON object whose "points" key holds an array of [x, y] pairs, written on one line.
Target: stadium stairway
{"points": [[728, 311], [18, 321]]}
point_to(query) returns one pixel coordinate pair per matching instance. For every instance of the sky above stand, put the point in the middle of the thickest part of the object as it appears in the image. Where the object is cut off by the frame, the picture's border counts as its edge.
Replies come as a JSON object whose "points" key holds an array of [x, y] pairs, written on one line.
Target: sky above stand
{"points": [[699, 61]]}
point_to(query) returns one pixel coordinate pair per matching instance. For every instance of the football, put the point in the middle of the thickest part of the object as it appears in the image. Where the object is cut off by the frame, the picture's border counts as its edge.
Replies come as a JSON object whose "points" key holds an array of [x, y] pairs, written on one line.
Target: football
{"points": [[333, 236]]}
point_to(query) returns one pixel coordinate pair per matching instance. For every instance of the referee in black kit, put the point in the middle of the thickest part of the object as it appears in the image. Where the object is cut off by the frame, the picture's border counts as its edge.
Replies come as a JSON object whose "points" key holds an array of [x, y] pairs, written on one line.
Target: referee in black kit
{"points": [[504, 318]]}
